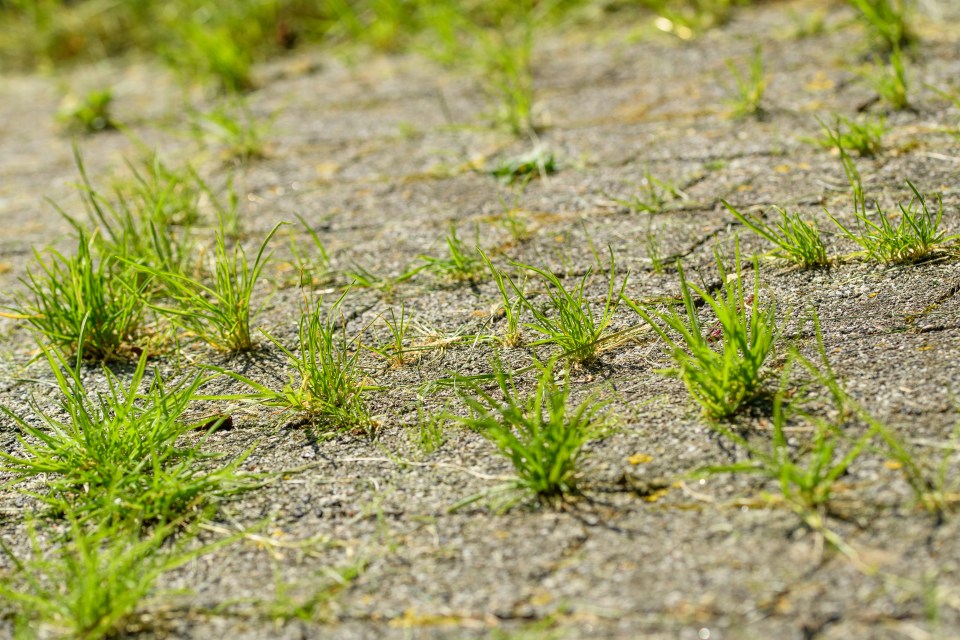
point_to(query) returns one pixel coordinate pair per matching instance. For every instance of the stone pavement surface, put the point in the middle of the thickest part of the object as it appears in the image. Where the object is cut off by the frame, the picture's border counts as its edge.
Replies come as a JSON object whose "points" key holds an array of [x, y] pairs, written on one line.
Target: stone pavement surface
{"points": [[381, 157]]}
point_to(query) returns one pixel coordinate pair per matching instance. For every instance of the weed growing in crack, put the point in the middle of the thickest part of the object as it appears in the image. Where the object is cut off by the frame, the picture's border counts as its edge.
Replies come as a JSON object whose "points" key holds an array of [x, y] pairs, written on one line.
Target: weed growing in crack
{"points": [[386, 285], [890, 80], [537, 163], [798, 240], [289, 601], [915, 236], [328, 383], [429, 433], [147, 221], [512, 306], [460, 265], [747, 99], [655, 195], [863, 135], [115, 455], [805, 484], [311, 270], [87, 114], [170, 195], [240, 134], [886, 21], [928, 486], [219, 313], [514, 218], [653, 244], [209, 52], [90, 585], [721, 379], [395, 351], [505, 60], [538, 433], [82, 305], [568, 320]]}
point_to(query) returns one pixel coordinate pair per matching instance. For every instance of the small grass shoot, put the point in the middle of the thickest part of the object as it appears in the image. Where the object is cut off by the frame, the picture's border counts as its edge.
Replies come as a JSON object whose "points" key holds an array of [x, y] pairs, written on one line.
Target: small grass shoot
{"points": [[82, 305], [749, 87], [429, 432], [396, 351], [460, 264], [886, 21], [537, 163], [862, 135], [890, 80], [654, 196], [913, 238], [89, 586], [87, 114], [805, 484], [233, 128], [512, 307]]}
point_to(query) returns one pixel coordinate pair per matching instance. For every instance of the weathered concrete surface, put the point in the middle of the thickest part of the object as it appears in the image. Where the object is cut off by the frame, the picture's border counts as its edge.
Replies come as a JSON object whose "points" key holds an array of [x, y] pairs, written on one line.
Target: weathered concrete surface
{"points": [[369, 155]]}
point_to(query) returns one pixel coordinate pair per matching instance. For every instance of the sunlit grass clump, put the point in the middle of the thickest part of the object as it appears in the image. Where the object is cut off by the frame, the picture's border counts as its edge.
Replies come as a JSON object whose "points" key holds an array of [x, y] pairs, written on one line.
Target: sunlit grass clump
{"points": [[721, 366], [537, 431]]}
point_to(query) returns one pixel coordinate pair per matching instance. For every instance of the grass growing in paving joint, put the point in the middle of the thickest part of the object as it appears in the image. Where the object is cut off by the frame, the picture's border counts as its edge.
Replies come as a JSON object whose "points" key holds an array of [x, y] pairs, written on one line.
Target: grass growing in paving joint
{"points": [[219, 313], [512, 306], [115, 454], [913, 238], [747, 98], [798, 240], [148, 219], [890, 80], [89, 113], [886, 21], [720, 378], [805, 484], [90, 585], [863, 135], [536, 163], [568, 319], [83, 305], [328, 383], [460, 264], [231, 126], [654, 196], [538, 432], [394, 350]]}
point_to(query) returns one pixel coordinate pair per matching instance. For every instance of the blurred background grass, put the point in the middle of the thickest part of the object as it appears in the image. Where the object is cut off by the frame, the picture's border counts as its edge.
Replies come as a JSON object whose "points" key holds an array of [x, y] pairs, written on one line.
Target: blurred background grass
{"points": [[222, 39]]}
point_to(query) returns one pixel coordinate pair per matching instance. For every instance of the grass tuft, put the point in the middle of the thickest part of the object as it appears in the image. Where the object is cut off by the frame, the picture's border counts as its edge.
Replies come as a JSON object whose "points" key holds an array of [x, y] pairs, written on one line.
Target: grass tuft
{"points": [[747, 99], [568, 319], [90, 585], [115, 454], [329, 383], [720, 378], [798, 240], [82, 305], [87, 114], [538, 433], [218, 313], [460, 264]]}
